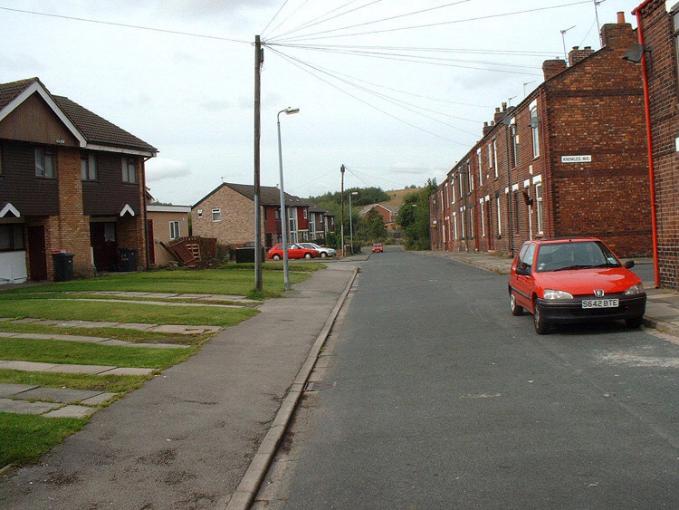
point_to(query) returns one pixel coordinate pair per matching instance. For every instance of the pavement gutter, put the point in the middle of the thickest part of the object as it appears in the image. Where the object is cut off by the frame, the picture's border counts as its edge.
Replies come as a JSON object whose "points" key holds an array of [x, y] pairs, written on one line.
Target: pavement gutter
{"points": [[249, 485]]}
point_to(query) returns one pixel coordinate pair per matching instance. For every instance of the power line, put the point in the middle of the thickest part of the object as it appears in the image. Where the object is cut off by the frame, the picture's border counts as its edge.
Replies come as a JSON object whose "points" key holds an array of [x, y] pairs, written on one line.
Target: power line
{"points": [[125, 25], [290, 15], [395, 117], [285, 2], [389, 18], [339, 15], [439, 23]]}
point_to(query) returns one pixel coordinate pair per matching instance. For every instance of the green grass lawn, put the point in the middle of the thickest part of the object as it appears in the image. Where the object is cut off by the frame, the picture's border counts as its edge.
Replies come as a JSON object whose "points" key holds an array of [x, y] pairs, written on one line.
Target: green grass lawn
{"points": [[186, 281], [110, 383], [122, 312], [24, 438], [54, 351], [127, 335]]}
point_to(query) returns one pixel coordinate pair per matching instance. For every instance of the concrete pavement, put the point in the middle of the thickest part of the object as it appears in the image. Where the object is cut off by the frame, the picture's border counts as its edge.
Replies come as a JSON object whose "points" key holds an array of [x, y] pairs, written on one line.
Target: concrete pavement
{"points": [[185, 439]]}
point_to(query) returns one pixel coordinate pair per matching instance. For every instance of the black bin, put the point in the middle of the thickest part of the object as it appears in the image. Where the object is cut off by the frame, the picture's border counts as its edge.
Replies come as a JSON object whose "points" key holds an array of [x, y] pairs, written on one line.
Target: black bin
{"points": [[127, 260], [63, 266], [245, 255]]}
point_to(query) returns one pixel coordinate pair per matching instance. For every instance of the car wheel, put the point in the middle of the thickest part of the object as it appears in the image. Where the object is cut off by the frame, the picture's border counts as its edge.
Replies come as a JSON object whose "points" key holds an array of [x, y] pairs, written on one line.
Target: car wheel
{"points": [[634, 323], [307, 256], [276, 257], [516, 309], [541, 325], [323, 254]]}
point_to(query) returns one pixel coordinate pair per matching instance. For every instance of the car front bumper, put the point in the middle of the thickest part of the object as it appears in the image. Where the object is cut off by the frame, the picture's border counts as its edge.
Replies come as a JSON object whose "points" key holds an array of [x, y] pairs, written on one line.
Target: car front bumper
{"points": [[630, 307]]}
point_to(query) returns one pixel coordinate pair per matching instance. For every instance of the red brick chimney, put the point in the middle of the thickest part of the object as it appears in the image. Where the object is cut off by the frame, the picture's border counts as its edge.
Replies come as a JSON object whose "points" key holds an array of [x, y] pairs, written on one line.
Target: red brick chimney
{"points": [[551, 68], [499, 114], [618, 35], [577, 54], [486, 128]]}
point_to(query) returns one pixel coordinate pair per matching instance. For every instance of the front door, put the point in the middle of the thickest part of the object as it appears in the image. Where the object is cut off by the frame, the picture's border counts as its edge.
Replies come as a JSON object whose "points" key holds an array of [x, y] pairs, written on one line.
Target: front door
{"points": [[36, 253], [489, 224], [104, 246]]}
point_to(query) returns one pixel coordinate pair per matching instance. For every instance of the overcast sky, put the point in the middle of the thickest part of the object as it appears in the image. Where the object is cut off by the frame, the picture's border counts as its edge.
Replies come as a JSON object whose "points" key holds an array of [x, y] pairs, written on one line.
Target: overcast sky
{"points": [[192, 97]]}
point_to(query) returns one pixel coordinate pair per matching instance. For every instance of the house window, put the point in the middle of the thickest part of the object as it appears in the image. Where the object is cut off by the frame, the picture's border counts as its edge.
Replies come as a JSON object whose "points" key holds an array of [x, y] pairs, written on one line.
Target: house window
{"points": [[478, 158], [88, 167], [452, 186], [483, 221], [460, 184], [11, 237], [535, 129], [174, 230], [499, 215], [129, 170], [216, 214], [472, 223], [515, 199], [470, 174], [305, 214], [45, 163], [495, 158], [277, 214], [463, 216], [515, 145], [455, 226], [490, 155], [109, 232], [200, 213], [539, 207]]}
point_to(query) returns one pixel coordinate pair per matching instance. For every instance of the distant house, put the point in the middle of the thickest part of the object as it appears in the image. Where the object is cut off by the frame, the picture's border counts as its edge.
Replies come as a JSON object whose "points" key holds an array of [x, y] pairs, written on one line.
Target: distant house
{"points": [[321, 223], [227, 213], [386, 211], [70, 181], [165, 223]]}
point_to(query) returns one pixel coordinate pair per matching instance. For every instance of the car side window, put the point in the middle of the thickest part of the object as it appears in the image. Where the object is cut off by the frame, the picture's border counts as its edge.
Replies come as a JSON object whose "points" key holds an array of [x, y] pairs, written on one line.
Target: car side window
{"points": [[527, 257], [523, 251]]}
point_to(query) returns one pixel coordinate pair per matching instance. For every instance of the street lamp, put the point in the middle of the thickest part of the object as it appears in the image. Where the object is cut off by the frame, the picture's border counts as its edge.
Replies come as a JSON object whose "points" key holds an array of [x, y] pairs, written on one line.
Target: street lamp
{"points": [[283, 215], [351, 224]]}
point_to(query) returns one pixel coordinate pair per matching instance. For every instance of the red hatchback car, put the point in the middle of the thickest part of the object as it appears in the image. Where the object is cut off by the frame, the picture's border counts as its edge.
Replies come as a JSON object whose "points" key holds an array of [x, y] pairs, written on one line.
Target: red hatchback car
{"points": [[295, 251], [574, 280], [378, 248]]}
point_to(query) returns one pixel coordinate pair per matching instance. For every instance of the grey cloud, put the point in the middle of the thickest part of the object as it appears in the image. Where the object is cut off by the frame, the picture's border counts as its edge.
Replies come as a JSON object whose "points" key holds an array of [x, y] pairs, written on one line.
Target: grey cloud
{"points": [[161, 169]]}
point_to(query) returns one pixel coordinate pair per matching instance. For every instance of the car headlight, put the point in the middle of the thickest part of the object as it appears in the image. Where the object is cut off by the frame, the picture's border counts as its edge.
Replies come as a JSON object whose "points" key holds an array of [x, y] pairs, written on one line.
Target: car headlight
{"points": [[635, 290], [557, 294]]}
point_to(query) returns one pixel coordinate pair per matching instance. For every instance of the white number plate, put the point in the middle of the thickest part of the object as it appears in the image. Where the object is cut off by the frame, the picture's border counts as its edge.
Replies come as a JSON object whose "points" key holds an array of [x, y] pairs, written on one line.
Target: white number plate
{"points": [[600, 303]]}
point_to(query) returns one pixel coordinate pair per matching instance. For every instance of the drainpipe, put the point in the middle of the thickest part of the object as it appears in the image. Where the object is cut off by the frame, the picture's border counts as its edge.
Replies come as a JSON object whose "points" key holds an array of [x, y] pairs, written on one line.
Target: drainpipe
{"points": [[649, 141]]}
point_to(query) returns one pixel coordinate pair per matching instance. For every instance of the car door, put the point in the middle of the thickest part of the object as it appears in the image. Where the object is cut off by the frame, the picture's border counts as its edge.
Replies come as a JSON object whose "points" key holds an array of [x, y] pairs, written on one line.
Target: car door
{"points": [[295, 252], [524, 282]]}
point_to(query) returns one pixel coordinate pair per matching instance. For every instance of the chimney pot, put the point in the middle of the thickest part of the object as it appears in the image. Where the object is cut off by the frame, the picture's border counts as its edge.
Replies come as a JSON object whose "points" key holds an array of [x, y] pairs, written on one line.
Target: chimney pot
{"points": [[576, 47], [497, 110], [504, 106], [621, 18]]}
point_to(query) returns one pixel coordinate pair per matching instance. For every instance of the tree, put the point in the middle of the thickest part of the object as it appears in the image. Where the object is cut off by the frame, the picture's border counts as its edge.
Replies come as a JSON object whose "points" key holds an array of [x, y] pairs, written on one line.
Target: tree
{"points": [[413, 217], [371, 227]]}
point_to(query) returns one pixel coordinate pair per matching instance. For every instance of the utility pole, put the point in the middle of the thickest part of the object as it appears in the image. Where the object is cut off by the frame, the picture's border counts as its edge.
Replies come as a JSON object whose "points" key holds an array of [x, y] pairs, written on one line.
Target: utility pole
{"points": [[259, 59], [342, 169]]}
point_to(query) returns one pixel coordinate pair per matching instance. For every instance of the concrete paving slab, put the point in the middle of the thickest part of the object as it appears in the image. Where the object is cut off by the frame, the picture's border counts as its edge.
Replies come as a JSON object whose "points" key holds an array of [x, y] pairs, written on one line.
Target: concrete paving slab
{"points": [[4, 334], [22, 407], [128, 371], [71, 412], [134, 325], [79, 369], [102, 398], [86, 324], [25, 366], [8, 389], [121, 343], [173, 329], [146, 303], [63, 395], [44, 336], [27, 320]]}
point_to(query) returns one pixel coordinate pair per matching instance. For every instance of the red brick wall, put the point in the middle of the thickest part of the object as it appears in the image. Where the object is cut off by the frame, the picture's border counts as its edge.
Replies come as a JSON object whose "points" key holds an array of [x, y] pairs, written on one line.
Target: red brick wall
{"points": [[664, 93]]}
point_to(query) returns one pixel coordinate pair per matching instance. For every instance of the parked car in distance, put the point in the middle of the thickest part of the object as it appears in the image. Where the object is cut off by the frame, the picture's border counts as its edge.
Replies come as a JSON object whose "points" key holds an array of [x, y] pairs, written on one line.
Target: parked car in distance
{"points": [[574, 280], [295, 251], [322, 250], [378, 248]]}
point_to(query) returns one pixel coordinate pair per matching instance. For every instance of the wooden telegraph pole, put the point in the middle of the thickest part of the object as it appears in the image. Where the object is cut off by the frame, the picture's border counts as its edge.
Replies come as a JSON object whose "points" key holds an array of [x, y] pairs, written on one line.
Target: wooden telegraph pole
{"points": [[342, 169], [259, 59]]}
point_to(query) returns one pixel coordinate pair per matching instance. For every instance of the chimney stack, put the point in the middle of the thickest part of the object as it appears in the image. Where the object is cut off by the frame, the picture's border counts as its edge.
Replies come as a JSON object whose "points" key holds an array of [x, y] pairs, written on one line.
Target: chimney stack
{"points": [[498, 115], [486, 128], [551, 68], [618, 35], [577, 54]]}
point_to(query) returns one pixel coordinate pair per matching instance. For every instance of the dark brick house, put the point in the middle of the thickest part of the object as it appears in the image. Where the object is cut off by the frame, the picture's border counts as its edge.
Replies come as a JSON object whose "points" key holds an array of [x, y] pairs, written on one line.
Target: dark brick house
{"points": [[569, 160], [70, 181], [658, 22]]}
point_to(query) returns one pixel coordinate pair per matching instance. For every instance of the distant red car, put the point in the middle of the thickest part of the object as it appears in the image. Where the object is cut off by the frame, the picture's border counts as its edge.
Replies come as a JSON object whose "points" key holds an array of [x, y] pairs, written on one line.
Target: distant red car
{"points": [[378, 248], [295, 251], [574, 280]]}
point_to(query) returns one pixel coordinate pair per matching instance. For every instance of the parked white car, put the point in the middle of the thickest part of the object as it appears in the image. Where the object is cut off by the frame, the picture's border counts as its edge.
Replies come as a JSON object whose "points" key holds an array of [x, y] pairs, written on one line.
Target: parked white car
{"points": [[323, 252]]}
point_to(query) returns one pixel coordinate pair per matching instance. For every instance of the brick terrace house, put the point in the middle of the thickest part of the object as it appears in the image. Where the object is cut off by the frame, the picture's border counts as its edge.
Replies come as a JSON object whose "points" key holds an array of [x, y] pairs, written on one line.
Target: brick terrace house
{"points": [[659, 30], [321, 222], [567, 161], [70, 181], [166, 223], [227, 213]]}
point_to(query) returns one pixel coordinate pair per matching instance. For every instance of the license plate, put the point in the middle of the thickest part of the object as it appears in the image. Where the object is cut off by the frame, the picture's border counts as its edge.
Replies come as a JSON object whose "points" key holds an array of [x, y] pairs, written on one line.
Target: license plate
{"points": [[600, 303]]}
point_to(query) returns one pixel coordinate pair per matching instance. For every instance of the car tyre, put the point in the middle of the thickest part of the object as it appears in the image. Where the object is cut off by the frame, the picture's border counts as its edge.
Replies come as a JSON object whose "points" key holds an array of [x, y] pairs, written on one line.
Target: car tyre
{"points": [[516, 309], [541, 325], [276, 257], [307, 255], [634, 323], [323, 254]]}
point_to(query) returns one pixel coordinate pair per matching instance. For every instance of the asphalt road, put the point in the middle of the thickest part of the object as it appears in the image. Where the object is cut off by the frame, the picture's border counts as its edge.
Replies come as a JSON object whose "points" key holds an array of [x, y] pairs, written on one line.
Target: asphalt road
{"points": [[436, 397]]}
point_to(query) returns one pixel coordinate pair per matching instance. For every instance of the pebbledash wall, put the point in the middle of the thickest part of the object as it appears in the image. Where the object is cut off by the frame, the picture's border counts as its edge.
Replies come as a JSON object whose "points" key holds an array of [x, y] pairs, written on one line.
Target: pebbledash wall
{"points": [[568, 161], [660, 29]]}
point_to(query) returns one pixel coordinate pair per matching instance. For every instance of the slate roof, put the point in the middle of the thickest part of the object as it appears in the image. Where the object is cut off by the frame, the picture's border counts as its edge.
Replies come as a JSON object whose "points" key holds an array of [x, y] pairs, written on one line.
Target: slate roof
{"points": [[95, 129], [269, 195]]}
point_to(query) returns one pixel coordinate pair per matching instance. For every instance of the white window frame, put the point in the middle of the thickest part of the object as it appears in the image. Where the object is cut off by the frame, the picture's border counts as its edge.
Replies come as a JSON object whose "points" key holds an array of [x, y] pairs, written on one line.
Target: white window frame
{"points": [[452, 185], [216, 215], [539, 208], [499, 215], [515, 144], [478, 156], [490, 155], [483, 219], [497, 171], [455, 226], [42, 169], [461, 184], [470, 176], [463, 218], [175, 230], [535, 130], [88, 167]]}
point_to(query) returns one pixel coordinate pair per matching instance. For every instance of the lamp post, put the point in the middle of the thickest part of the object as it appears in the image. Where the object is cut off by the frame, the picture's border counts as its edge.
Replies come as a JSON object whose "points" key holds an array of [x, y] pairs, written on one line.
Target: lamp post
{"points": [[351, 223], [283, 215]]}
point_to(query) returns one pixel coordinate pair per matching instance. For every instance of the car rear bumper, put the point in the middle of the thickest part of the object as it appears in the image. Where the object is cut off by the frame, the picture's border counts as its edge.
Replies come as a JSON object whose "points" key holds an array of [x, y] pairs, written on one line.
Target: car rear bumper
{"points": [[630, 307]]}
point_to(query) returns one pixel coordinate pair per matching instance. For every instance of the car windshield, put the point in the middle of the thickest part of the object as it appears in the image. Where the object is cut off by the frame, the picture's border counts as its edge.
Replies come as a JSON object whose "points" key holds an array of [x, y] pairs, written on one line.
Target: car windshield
{"points": [[574, 255]]}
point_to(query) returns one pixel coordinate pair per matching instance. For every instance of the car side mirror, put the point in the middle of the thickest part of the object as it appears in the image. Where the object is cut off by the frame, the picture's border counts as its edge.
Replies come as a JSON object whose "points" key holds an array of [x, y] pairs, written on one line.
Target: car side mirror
{"points": [[629, 264], [522, 269]]}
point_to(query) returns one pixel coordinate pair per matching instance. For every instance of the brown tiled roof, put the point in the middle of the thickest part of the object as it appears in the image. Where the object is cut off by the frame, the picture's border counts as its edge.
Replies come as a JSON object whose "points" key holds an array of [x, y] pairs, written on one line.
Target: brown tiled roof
{"points": [[269, 195], [94, 128], [315, 209]]}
